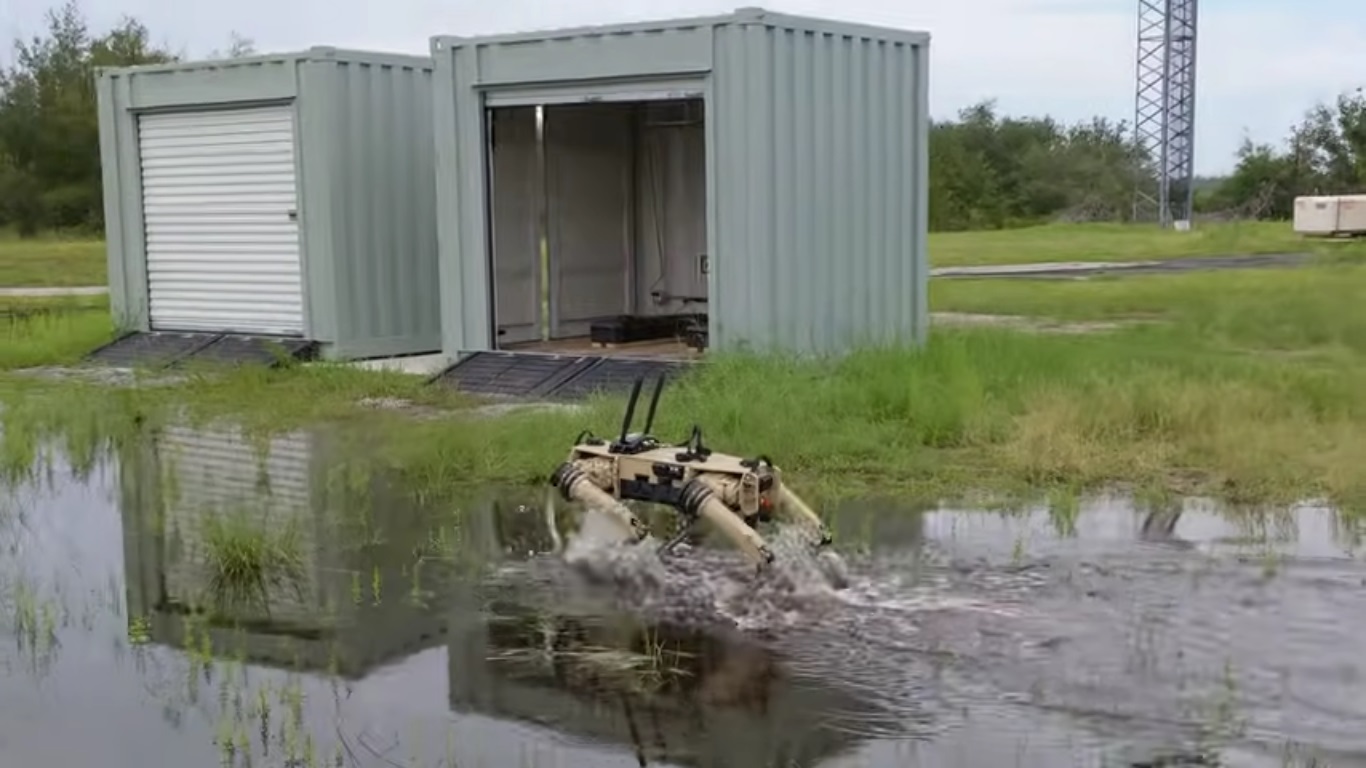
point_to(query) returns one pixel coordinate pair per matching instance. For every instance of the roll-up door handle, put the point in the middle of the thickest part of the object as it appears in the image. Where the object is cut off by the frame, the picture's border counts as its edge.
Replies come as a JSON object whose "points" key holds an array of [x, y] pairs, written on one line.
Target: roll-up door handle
{"points": [[293, 215]]}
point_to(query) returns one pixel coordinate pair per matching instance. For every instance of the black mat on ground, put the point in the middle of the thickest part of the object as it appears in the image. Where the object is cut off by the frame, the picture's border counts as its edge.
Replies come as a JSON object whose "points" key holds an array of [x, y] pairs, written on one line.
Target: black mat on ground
{"points": [[513, 374], [149, 350], [162, 349], [550, 377], [617, 374]]}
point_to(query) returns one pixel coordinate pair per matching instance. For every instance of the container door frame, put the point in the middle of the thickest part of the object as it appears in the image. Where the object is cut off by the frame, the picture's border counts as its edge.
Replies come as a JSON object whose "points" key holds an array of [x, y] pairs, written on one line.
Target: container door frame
{"points": [[668, 88], [599, 91], [524, 332]]}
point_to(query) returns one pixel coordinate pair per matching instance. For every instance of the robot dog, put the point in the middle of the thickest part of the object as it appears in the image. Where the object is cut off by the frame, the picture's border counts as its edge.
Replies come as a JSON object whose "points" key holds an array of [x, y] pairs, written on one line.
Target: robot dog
{"points": [[731, 494]]}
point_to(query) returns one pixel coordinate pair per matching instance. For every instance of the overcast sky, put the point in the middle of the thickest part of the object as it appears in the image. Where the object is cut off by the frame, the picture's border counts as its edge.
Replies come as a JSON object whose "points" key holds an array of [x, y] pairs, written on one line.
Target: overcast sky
{"points": [[1261, 62]]}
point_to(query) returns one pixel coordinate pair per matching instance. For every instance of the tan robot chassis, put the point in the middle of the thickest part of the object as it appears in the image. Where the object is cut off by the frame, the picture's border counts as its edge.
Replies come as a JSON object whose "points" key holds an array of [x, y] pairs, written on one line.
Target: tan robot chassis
{"points": [[731, 494]]}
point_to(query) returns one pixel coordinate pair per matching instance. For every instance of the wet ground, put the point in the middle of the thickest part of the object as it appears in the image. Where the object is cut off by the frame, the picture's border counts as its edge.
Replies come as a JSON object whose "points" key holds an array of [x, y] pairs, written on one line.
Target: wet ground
{"points": [[181, 604]]}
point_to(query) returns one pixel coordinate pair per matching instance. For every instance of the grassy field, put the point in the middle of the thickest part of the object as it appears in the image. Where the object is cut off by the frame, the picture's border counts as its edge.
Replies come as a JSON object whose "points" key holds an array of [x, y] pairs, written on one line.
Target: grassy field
{"points": [[36, 332], [1115, 242], [1250, 385], [59, 261], [51, 260], [1308, 311]]}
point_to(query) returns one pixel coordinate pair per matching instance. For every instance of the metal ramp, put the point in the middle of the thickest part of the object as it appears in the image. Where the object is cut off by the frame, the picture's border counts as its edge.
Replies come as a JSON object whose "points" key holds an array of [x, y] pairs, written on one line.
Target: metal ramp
{"points": [[617, 374], [549, 376], [169, 349]]}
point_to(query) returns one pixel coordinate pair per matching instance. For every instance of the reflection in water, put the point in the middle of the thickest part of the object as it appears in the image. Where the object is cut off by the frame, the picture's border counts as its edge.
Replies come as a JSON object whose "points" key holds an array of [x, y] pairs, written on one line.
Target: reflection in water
{"points": [[668, 693], [197, 603], [290, 565]]}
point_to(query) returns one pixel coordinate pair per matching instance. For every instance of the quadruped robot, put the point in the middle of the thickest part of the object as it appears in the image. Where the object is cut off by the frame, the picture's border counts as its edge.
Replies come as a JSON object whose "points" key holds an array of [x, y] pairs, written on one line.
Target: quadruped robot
{"points": [[731, 494]]}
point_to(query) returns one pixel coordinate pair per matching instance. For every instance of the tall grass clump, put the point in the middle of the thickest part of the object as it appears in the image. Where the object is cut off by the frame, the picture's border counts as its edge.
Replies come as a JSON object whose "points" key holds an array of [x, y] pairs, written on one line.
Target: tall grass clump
{"points": [[982, 408], [996, 407], [974, 409], [248, 558]]}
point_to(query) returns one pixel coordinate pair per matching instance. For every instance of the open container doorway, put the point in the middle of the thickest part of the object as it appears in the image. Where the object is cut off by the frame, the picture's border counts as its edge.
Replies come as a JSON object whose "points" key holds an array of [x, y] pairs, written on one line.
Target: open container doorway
{"points": [[598, 226], [765, 171]]}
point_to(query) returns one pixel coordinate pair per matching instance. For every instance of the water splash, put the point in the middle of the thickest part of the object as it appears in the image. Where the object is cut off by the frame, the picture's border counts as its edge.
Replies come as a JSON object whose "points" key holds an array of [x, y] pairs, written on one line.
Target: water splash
{"points": [[701, 585]]}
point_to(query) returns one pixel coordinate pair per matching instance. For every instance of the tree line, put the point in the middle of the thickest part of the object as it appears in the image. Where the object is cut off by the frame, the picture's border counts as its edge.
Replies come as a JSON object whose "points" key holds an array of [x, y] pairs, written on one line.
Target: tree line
{"points": [[987, 171], [49, 130], [1325, 154]]}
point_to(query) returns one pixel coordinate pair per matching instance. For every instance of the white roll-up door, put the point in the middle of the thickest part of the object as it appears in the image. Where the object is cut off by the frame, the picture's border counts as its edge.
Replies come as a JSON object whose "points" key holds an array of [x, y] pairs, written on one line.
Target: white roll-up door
{"points": [[220, 204]]}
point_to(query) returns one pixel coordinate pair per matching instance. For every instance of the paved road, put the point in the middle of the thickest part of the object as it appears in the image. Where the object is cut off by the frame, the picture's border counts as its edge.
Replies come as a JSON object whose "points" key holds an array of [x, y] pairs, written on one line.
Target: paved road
{"points": [[33, 292], [1086, 269]]}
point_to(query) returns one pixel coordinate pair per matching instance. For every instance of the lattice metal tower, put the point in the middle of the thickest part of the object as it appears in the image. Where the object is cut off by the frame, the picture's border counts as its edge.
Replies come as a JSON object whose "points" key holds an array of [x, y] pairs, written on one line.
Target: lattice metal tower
{"points": [[1164, 110]]}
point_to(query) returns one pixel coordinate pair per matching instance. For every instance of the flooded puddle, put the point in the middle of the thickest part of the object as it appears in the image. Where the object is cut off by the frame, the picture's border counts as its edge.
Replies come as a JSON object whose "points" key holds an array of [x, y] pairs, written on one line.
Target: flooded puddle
{"points": [[184, 604]]}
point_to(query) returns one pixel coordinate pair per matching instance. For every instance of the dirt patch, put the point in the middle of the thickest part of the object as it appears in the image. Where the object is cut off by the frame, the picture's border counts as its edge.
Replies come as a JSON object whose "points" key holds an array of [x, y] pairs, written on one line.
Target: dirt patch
{"points": [[1039, 268], [34, 292], [1028, 324], [1083, 269], [487, 411], [117, 377]]}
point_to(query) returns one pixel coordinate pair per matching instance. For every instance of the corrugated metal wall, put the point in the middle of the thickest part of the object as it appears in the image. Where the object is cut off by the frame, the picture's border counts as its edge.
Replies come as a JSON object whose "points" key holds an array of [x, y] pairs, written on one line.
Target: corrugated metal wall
{"points": [[817, 159], [366, 185], [374, 121], [819, 212]]}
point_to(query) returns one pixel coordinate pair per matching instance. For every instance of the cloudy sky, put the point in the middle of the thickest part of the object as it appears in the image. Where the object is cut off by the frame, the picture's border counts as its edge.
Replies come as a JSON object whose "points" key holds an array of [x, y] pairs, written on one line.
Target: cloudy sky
{"points": [[1261, 62]]}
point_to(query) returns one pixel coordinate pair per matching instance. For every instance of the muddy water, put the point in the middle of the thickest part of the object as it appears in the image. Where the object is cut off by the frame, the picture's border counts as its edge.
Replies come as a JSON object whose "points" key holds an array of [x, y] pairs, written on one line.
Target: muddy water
{"points": [[375, 630]]}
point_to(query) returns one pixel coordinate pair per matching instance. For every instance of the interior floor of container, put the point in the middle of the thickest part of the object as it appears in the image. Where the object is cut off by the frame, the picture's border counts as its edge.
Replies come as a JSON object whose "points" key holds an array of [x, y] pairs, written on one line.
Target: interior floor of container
{"points": [[670, 349], [598, 210]]}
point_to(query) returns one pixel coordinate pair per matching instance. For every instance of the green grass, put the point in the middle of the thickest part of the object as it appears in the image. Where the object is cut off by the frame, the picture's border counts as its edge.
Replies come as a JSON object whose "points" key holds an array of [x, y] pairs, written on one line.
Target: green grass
{"points": [[51, 331], [1251, 386], [52, 260], [1116, 242], [249, 559], [1207, 401], [1320, 310]]}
